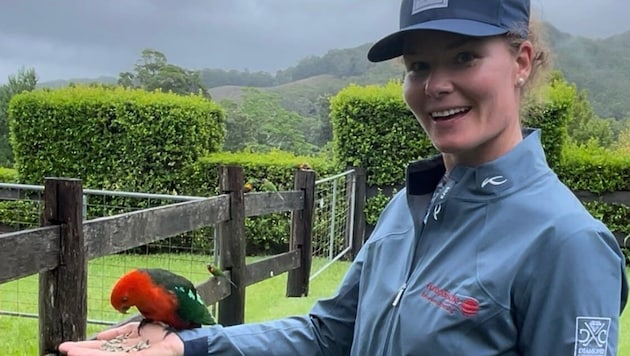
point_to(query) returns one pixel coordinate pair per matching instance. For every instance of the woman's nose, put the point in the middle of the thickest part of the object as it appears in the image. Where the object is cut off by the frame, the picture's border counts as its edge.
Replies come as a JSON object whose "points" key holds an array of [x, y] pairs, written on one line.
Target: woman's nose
{"points": [[437, 84]]}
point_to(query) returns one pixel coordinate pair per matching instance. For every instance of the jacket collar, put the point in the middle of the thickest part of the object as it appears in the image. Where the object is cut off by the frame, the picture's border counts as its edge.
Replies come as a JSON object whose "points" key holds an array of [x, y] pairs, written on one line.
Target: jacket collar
{"points": [[524, 163]]}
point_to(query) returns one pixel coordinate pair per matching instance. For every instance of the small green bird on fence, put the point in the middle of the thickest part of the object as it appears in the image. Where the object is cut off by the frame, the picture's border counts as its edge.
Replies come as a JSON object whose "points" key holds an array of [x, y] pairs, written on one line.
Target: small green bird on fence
{"points": [[215, 271], [268, 186]]}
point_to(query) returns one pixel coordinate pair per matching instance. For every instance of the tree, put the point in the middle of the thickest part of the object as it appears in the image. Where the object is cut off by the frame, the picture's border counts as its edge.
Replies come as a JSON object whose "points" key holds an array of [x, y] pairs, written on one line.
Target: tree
{"points": [[260, 124], [152, 71], [623, 138], [24, 80], [584, 125], [240, 127]]}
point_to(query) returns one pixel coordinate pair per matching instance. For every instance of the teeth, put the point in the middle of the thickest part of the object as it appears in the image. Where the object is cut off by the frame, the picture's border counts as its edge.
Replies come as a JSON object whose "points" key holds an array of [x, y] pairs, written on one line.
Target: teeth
{"points": [[449, 112]]}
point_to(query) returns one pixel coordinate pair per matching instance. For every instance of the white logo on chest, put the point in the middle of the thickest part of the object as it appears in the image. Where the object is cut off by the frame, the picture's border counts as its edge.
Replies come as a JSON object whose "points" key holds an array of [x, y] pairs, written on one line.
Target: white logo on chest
{"points": [[496, 180], [436, 211]]}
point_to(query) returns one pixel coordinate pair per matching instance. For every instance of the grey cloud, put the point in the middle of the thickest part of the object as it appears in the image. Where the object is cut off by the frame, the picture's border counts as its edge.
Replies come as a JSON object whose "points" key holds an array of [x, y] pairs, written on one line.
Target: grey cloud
{"points": [[78, 38], [595, 19]]}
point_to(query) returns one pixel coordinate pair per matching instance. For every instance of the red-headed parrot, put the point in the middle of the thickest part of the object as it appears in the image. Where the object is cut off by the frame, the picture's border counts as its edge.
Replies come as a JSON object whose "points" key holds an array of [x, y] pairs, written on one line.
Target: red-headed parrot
{"points": [[160, 295]]}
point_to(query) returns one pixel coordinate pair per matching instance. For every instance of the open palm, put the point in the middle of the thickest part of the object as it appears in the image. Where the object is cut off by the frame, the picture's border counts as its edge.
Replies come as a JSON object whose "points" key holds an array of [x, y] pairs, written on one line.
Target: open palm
{"points": [[151, 334]]}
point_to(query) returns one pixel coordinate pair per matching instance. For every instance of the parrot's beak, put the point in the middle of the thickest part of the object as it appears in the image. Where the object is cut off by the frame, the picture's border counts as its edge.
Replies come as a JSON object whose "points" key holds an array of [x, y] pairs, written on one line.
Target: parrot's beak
{"points": [[124, 309]]}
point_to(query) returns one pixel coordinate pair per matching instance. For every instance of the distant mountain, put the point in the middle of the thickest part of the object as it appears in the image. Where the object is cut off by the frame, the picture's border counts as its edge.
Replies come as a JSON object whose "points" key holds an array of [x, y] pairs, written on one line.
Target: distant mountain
{"points": [[599, 66], [62, 82]]}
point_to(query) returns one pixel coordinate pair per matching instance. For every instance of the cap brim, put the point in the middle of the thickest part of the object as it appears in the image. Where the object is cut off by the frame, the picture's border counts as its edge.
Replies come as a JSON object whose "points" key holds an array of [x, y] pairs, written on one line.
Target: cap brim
{"points": [[392, 46]]}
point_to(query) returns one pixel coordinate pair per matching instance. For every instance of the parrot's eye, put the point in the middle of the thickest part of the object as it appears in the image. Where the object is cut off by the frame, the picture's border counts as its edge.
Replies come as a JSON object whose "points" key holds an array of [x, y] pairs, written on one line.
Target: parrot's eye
{"points": [[124, 299]]}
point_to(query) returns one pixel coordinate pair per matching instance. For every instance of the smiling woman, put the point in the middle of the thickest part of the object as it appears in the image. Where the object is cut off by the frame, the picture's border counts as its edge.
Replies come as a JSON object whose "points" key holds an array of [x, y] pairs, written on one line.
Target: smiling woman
{"points": [[485, 251], [465, 92]]}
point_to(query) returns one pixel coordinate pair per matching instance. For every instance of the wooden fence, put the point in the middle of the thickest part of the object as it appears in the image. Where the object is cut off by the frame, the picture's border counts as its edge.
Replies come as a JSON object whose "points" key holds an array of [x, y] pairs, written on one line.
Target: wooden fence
{"points": [[60, 249], [616, 197]]}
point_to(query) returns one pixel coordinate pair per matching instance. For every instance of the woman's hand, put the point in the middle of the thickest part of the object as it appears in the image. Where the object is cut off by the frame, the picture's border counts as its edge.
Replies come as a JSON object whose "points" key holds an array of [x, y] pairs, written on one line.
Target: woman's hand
{"points": [[152, 341]]}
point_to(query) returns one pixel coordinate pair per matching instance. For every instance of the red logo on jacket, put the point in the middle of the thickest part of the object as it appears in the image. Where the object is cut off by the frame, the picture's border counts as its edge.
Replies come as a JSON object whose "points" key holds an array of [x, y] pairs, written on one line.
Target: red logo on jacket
{"points": [[450, 302]]}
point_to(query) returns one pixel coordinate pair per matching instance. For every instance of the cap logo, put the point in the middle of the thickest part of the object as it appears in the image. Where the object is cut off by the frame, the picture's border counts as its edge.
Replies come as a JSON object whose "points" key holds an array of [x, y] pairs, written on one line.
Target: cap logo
{"points": [[423, 5]]}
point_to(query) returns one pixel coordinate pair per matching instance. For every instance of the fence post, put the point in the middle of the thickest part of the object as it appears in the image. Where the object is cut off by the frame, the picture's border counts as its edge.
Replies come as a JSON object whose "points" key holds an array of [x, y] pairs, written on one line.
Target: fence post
{"points": [[358, 231], [231, 236], [302, 235], [63, 290]]}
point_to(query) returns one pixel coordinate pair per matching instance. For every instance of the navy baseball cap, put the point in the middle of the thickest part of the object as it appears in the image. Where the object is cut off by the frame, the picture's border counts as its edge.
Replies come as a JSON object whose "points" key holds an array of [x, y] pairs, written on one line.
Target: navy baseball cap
{"points": [[478, 18]]}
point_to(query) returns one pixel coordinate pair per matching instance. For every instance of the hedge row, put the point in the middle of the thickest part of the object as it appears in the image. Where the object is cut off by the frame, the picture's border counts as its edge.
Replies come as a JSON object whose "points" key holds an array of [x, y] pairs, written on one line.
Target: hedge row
{"points": [[112, 138], [373, 128]]}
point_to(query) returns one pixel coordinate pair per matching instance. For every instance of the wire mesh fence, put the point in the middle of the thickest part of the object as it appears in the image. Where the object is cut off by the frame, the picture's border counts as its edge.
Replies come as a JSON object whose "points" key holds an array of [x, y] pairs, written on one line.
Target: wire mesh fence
{"points": [[186, 254], [333, 217]]}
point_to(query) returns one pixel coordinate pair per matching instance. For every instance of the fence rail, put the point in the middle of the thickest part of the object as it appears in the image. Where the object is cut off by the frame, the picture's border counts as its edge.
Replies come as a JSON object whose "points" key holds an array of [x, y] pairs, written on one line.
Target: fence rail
{"points": [[616, 197], [60, 250], [27, 252]]}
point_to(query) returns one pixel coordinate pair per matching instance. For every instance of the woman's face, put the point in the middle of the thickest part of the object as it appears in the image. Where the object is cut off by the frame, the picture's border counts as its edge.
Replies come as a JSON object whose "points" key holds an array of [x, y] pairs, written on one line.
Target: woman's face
{"points": [[465, 92]]}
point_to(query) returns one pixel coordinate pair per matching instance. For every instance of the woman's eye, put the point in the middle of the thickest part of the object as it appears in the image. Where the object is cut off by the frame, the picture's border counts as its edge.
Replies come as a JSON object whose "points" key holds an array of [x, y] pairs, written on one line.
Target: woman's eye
{"points": [[418, 67], [464, 58]]}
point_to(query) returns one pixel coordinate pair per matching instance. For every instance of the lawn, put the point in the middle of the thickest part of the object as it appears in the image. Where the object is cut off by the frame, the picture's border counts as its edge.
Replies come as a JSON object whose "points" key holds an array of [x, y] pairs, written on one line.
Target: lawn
{"points": [[624, 336], [264, 301]]}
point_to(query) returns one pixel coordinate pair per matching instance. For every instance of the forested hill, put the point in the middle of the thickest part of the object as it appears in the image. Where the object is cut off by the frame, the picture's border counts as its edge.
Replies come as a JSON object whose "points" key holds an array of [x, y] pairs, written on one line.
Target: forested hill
{"points": [[602, 67], [599, 66]]}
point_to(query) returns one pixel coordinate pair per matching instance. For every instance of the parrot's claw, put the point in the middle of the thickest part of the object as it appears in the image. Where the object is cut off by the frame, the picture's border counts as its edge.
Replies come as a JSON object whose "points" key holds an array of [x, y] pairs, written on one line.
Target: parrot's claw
{"points": [[168, 330], [143, 322]]}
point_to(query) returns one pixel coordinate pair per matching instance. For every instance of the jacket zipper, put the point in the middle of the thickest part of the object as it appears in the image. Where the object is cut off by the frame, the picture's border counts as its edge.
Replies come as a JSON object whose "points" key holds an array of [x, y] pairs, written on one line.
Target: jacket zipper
{"points": [[411, 267], [401, 290], [393, 314]]}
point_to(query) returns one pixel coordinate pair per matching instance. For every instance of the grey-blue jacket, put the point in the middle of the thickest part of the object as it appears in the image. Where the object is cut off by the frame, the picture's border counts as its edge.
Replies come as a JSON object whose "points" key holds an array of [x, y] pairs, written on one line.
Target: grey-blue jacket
{"points": [[504, 260]]}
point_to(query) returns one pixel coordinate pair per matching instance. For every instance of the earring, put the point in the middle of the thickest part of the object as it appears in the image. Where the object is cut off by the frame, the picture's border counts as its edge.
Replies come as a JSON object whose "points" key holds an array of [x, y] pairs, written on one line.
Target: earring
{"points": [[520, 82]]}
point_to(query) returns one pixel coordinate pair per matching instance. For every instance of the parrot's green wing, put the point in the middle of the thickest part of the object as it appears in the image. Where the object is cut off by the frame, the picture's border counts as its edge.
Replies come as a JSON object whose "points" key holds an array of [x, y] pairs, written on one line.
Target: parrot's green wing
{"points": [[191, 307], [268, 186]]}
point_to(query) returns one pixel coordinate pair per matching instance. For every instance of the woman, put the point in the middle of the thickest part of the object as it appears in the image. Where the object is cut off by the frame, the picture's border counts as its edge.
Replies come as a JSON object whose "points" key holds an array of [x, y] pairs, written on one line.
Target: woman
{"points": [[485, 252]]}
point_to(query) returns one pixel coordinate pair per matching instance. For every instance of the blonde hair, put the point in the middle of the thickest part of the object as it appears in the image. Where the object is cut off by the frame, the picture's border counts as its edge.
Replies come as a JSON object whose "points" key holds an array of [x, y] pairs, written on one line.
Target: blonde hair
{"points": [[541, 60]]}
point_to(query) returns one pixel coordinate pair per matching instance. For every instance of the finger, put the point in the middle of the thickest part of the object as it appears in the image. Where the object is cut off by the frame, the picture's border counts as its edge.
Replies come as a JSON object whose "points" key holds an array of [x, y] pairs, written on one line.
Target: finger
{"points": [[70, 345], [92, 352], [97, 347]]}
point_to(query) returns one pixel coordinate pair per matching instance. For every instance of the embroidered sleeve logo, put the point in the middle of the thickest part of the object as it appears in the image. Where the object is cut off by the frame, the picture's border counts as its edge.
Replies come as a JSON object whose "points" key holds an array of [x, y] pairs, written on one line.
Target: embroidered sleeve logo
{"points": [[591, 336]]}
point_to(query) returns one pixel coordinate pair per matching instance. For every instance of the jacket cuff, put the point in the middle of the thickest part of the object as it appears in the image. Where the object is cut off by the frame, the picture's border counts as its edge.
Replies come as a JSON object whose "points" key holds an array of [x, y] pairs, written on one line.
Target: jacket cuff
{"points": [[195, 342]]}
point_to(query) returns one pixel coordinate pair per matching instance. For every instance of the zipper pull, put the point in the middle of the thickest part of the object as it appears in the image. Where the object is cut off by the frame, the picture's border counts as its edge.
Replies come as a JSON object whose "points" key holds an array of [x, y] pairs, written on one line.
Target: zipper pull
{"points": [[399, 295]]}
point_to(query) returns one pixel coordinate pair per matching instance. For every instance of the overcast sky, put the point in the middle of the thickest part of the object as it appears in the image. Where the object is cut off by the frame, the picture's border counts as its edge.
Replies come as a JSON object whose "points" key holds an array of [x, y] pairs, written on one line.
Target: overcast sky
{"points": [[64, 39]]}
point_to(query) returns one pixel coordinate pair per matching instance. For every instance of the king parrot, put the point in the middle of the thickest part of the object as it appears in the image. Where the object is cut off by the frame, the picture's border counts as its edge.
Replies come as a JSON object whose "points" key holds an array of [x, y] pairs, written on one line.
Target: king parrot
{"points": [[268, 186], [161, 295], [215, 271]]}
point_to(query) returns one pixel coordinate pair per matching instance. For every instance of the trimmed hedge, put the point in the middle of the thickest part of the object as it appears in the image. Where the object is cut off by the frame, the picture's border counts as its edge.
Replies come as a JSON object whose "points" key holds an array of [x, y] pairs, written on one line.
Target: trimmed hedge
{"points": [[8, 175], [278, 166], [373, 128], [20, 214], [265, 234], [595, 169], [112, 138]]}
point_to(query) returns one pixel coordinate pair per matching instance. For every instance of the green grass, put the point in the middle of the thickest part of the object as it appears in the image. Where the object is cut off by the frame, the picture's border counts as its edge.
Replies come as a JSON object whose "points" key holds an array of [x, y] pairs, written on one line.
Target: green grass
{"points": [[264, 301]]}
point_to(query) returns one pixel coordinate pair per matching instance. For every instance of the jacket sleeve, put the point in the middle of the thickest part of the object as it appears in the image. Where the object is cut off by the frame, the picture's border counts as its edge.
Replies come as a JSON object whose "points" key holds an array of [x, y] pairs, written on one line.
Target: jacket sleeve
{"points": [[327, 330], [573, 298]]}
